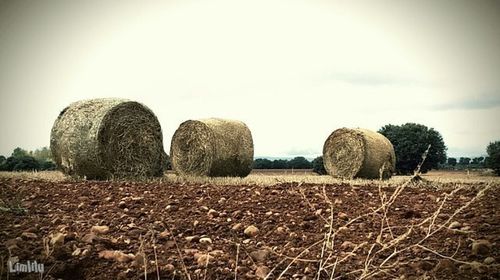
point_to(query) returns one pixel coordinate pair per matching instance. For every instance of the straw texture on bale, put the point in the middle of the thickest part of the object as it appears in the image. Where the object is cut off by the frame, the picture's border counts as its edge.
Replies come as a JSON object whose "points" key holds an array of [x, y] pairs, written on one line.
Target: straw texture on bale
{"points": [[358, 153], [108, 138], [212, 147]]}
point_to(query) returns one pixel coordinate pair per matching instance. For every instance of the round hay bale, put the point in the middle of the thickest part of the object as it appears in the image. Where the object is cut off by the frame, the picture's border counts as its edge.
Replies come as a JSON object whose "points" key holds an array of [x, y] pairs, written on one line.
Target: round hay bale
{"points": [[108, 138], [361, 153], [212, 147]]}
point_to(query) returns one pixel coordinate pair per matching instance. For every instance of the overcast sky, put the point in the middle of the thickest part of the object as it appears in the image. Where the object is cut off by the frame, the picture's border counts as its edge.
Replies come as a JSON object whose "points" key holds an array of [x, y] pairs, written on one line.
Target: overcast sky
{"points": [[293, 71]]}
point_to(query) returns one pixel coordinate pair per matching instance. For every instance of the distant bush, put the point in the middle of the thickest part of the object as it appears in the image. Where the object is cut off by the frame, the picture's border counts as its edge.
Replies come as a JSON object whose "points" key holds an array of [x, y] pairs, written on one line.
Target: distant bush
{"points": [[493, 159], [295, 163], [22, 160], [279, 164], [22, 163], [464, 161], [317, 166], [47, 165], [299, 163], [262, 163]]}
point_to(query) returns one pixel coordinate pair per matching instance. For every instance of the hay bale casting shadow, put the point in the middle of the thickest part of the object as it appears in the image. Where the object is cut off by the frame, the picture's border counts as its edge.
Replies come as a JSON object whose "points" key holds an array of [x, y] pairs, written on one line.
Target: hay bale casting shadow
{"points": [[108, 138], [212, 147], [350, 153]]}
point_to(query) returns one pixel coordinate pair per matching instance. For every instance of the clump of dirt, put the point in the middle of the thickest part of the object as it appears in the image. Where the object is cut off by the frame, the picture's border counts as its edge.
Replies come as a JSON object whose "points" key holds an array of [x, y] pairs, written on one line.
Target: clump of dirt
{"points": [[123, 230]]}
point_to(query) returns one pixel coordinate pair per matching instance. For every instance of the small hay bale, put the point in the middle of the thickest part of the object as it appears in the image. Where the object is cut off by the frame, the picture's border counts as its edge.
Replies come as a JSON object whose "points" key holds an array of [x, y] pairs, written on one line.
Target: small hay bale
{"points": [[108, 138], [212, 147], [361, 153]]}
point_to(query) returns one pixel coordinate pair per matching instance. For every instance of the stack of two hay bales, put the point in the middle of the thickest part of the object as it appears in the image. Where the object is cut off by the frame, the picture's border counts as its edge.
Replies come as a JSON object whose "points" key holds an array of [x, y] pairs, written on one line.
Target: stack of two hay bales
{"points": [[118, 138]]}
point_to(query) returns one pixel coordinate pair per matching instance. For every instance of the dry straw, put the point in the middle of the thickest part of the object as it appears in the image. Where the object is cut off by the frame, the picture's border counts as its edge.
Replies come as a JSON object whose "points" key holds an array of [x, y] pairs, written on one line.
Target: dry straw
{"points": [[360, 153], [212, 147], [108, 138]]}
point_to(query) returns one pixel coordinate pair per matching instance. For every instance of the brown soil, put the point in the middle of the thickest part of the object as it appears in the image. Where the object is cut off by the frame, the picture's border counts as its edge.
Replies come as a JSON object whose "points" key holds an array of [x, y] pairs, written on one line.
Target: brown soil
{"points": [[290, 218]]}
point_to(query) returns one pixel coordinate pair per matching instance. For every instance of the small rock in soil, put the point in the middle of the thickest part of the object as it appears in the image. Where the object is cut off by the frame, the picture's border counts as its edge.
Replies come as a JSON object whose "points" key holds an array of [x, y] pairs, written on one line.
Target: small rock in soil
{"points": [[76, 252], [262, 271], [172, 207], [466, 228], [164, 234], [489, 260], [213, 213], [216, 253], [169, 268], [29, 235], [236, 227], [118, 256], [100, 229], [445, 265], [343, 216], [194, 238], [347, 245], [57, 239], [205, 240], [454, 225], [251, 231], [260, 255], [89, 238], [481, 247], [203, 259], [280, 230]]}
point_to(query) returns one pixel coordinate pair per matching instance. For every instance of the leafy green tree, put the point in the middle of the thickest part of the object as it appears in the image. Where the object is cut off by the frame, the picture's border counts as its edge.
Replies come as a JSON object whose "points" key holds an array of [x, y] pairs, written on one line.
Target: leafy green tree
{"points": [[23, 163], [47, 165], [477, 160], [318, 166], [42, 154], [410, 141], [452, 161], [22, 160], [262, 163], [464, 161], [493, 159], [18, 153], [2, 160], [26, 163], [299, 163], [280, 164], [8, 164]]}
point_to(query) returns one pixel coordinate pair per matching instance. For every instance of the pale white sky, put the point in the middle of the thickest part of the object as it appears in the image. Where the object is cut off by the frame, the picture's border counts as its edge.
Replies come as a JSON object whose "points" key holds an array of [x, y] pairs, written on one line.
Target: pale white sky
{"points": [[294, 71]]}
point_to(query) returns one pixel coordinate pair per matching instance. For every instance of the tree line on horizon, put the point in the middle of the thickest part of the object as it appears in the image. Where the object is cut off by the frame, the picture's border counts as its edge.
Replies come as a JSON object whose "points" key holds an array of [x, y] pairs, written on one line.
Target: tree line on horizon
{"points": [[410, 141], [23, 160]]}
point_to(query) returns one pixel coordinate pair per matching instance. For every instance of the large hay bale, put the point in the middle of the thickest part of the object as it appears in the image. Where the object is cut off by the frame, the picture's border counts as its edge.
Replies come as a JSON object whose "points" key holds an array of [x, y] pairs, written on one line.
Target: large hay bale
{"points": [[212, 147], [361, 153], [108, 138]]}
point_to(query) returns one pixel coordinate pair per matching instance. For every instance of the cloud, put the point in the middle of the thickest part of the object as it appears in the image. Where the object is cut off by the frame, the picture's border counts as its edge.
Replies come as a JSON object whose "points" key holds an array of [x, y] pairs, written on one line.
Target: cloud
{"points": [[309, 152], [475, 103], [371, 79]]}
